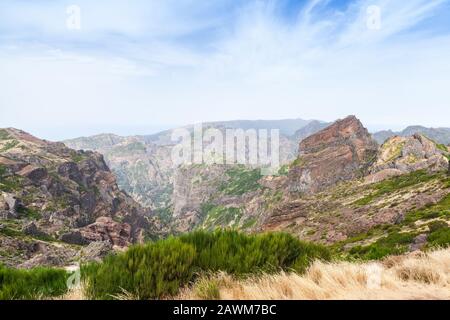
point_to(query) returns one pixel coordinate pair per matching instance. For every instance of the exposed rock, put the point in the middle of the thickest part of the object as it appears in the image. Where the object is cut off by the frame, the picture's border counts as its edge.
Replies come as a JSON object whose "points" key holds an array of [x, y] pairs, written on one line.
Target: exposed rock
{"points": [[382, 175], [34, 173], [9, 206], [341, 152], [407, 154], [74, 237], [58, 190], [31, 229], [96, 251], [419, 242], [105, 229]]}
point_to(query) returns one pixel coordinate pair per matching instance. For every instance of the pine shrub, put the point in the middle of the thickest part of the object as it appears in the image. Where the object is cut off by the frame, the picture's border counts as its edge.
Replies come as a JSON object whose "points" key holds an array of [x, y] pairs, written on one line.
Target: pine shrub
{"points": [[32, 284], [159, 269], [145, 271]]}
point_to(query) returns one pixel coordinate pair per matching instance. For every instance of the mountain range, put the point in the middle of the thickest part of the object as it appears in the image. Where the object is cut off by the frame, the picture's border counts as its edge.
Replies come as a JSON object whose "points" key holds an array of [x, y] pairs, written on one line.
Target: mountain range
{"points": [[337, 186]]}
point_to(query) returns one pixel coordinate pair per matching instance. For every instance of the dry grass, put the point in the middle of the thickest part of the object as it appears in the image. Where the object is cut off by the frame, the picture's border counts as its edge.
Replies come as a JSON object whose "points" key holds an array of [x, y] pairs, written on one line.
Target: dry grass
{"points": [[414, 276]]}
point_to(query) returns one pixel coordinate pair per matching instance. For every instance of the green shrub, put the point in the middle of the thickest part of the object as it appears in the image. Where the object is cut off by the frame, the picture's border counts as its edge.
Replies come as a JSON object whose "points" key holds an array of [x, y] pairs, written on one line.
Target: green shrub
{"points": [[241, 180], [439, 236], [146, 271], [395, 184], [239, 254], [159, 269], [32, 284], [395, 243]]}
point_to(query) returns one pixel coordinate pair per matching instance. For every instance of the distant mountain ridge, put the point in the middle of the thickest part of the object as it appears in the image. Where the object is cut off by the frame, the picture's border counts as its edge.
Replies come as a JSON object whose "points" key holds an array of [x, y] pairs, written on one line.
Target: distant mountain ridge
{"points": [[142, 163], [440, 135]]}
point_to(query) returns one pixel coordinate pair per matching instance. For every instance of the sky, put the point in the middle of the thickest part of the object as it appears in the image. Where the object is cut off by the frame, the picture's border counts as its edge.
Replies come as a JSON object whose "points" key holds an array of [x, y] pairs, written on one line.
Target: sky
{"points": [[82, 67]]}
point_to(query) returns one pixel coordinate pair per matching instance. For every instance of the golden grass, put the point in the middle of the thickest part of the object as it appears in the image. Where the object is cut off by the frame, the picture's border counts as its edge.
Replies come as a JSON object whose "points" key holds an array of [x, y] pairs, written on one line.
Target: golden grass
{"points": [[413, 276], [417, 276]]}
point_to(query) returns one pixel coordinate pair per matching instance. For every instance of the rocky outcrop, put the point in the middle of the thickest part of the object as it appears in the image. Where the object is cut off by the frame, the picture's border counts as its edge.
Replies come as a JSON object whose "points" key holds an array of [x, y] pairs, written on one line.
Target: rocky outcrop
{"points": [[105, 229], [49, 191], [341, 152], [400, 155]]}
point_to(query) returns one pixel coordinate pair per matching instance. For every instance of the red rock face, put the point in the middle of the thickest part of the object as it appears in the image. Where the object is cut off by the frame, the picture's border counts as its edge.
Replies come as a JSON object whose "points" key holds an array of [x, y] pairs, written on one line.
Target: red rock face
{"points": [[105, 229], [340, 152]]}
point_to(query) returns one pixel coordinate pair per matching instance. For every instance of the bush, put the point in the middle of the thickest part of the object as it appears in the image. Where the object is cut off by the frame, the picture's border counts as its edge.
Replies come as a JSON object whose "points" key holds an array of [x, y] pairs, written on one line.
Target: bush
{"points": [[439, 236], [159, 269], [241, 180], [145, 271], [32, 284], [237, 253], [395, 243]]}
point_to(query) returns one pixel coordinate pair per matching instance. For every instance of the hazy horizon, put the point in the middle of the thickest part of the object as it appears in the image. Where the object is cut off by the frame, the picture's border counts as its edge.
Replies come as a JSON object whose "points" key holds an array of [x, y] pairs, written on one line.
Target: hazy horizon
{"points": [[139, 67]]}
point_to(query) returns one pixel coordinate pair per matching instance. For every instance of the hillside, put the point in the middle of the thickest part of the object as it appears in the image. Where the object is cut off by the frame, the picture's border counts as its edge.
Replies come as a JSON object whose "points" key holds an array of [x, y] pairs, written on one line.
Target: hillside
{"points": [[55, 202], [143, 165], [343, 189]]}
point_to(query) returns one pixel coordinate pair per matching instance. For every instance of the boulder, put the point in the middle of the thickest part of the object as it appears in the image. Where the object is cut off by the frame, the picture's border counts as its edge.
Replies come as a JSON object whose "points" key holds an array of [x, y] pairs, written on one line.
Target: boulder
{"points": [[31, 229], [74, 237], [106, 229], [96, 251], [34, 173]]}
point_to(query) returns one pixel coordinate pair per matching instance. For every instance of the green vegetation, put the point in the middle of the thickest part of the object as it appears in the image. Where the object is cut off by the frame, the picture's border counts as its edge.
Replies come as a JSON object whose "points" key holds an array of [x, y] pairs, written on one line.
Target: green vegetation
{"points": [[241, 180], [10, 232], [146, 271], [250, 222], [134, 147], [32, 284], [9, 183], [297, 162], [438, 210], [441, 147], [395, 184], [4, 135], [29, 213], [77, 157], [207, 288], [439, 234], [9, 145], [160, 268], [284, 170], [218, 216], [395, 243]]}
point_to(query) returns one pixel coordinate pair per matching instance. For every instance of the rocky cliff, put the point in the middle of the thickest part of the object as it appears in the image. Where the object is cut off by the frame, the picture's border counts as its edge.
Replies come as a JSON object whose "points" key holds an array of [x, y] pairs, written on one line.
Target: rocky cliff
{"points": [[53, 196], [342, 151]]}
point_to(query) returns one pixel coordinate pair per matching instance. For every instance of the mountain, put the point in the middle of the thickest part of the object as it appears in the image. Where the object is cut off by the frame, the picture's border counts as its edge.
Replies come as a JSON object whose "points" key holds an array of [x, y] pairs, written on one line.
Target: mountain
{"points": [[440, 135], [342, 189], [310, 129], [54, 199], [143, 164], [341, 151]]}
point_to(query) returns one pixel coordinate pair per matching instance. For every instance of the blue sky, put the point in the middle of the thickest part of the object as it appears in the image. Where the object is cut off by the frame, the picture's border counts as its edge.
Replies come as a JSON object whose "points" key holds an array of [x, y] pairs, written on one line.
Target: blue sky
{"points": [[138, 66]]}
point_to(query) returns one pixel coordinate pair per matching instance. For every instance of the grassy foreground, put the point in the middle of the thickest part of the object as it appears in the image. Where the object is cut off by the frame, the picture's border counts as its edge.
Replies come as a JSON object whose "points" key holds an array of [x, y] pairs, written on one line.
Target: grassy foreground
{"points": [[415, 276], [157, 270], [32, 284]]}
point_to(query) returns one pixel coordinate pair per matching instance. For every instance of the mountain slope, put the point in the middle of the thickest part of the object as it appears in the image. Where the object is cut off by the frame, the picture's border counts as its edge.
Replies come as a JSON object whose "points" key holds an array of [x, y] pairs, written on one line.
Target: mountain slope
{"points": [[53, 196], [143, 164]]}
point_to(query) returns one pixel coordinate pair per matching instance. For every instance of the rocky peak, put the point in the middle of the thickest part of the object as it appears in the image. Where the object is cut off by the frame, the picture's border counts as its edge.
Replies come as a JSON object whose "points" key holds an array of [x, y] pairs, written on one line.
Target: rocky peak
{"points": [[400, 155], [62, 193], [340, 152]]}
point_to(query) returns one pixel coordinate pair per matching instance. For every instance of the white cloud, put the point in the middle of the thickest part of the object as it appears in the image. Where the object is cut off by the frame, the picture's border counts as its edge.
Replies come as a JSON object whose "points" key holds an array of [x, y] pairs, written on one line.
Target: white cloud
{"points": [[325, 65]]}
